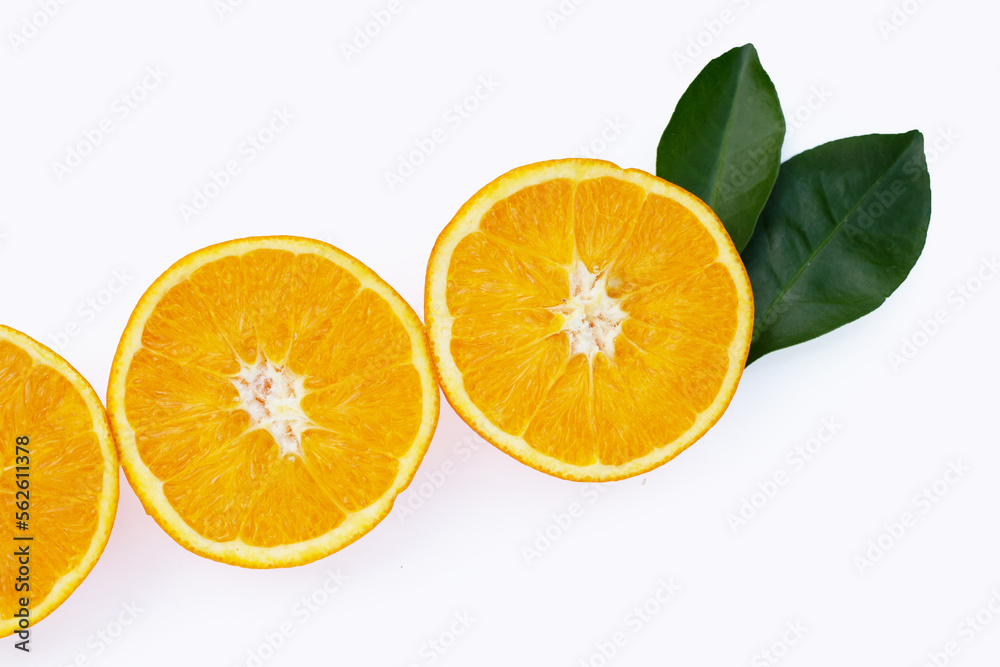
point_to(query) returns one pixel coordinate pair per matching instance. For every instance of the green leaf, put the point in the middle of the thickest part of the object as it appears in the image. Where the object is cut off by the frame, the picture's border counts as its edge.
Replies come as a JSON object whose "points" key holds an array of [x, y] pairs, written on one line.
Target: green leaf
{"points": [[723, 143], [843, 227]]}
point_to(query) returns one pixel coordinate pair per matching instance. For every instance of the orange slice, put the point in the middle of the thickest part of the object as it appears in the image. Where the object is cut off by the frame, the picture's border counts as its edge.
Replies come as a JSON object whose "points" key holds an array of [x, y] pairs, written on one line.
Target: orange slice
{"points": [[270, 398], [58, 480], [590, 321]]}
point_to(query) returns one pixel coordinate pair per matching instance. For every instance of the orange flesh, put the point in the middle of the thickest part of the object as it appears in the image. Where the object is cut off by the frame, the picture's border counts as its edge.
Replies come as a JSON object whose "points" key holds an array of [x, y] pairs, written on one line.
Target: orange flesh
{"points": [[236, 461], [654, 367], [66, 473]]}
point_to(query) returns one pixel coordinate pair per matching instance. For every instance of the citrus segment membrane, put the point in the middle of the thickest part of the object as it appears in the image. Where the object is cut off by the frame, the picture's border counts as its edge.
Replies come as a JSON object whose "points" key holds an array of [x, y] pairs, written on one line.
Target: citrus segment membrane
{"points": [[271, 397], [588, 320]]}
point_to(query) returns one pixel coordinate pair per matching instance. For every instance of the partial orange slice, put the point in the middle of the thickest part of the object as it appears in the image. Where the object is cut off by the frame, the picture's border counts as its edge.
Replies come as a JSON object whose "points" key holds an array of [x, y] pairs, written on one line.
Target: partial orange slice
{"points": [[590, 321], [58, 480], [270, 398]]}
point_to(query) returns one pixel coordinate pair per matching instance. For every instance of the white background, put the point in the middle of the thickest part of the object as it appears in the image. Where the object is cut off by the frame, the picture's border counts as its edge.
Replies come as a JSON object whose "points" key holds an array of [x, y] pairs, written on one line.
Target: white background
{"points": [[462, 551]]}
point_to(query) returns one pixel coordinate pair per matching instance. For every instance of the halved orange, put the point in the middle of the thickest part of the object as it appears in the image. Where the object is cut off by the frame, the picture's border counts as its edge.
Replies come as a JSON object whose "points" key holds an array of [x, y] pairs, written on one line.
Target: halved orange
{"points": [[270, 398], [590, 321], [58, 481]]}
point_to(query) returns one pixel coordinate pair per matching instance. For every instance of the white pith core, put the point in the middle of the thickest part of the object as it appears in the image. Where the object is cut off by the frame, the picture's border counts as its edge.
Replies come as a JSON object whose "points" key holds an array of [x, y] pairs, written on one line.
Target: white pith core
{"points": [[272, 396], [593, 319]]}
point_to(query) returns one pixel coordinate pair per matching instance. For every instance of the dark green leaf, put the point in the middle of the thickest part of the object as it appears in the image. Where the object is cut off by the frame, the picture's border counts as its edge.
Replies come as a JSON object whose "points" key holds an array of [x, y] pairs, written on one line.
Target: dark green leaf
{"points": [[843, 227], [723, 142]]}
